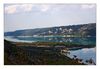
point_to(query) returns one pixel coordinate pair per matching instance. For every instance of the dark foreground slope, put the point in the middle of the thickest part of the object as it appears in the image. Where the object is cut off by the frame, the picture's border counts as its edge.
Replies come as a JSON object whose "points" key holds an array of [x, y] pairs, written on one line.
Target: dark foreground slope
{"points": [[17, 55]]}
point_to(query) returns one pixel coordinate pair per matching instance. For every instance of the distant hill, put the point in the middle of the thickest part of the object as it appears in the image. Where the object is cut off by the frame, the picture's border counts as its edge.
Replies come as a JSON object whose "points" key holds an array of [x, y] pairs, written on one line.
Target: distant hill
{"points": [[74, 30]]}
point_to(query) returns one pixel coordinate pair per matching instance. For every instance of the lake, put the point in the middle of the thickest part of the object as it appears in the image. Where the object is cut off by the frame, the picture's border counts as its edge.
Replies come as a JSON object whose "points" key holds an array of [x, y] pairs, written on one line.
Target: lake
{"points": [[78, 40]]}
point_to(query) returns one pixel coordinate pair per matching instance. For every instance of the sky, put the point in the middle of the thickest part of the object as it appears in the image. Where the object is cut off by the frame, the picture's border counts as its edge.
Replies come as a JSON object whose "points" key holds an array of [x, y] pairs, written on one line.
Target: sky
{"points": [[31, 16]]}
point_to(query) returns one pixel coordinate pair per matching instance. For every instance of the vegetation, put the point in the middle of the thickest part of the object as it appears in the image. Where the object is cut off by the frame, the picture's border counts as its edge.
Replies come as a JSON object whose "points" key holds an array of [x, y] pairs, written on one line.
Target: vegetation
{"points": [[53, 44], [27, 55]]}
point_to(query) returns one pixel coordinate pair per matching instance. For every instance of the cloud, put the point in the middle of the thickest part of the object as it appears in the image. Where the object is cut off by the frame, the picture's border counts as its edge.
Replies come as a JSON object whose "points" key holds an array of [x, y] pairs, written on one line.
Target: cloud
{"points": [[87, 6], [26, 7], [44, 8], [17, 8], [10, 9]]}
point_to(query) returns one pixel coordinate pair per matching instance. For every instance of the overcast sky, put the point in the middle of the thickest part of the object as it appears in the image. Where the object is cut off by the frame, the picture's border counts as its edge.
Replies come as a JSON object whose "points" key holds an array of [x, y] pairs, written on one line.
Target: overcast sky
{"points": [[30, 16]]}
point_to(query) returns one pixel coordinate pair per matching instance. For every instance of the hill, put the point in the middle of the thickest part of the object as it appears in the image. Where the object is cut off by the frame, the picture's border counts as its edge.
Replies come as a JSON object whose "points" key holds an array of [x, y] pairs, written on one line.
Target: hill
{"points": [[74, 30], [28, 55]]}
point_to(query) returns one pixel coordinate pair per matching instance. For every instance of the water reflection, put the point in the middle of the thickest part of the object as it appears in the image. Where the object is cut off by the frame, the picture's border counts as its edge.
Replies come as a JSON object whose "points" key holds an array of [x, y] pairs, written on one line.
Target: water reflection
{"points": [[87, 54], [80, 40]]}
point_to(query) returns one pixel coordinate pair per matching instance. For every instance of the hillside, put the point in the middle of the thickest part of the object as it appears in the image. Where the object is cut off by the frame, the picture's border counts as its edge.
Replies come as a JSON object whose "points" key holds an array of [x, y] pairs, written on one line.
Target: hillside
{"points": [[27, 55], [75, 30]]}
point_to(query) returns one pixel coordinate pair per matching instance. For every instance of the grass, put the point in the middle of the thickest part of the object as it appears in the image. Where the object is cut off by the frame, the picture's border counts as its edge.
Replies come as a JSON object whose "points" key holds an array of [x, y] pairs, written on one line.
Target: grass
{"points": [[53, 44]]}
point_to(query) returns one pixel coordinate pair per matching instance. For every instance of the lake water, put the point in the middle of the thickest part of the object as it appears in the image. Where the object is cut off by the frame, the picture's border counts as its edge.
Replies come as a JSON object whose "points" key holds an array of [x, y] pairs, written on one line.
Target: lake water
{"points": [[79, 40], [84, 53]]}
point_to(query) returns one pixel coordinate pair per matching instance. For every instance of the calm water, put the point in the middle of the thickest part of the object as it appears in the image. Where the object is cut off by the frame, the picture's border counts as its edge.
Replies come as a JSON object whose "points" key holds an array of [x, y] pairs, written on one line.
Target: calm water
{"points": [[80, 40], [85, 53]]}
